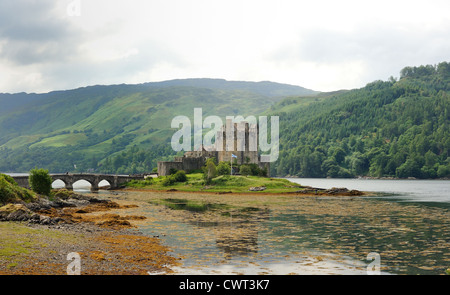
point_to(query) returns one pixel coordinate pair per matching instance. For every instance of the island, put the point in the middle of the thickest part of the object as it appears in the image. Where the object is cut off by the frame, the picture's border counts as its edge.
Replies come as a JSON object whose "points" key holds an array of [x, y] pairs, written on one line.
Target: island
{"points": [[229, 184]]}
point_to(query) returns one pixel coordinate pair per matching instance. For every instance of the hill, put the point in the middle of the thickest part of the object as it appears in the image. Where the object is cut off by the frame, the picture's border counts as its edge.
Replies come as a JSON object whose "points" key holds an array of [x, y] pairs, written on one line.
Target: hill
{"points": [[88, 127], [394, 128], [385, 129]]}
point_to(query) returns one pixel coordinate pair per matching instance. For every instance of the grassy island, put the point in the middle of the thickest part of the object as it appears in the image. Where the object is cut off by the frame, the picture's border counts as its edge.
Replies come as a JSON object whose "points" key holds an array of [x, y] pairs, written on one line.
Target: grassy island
{"points": [[195, 182]]}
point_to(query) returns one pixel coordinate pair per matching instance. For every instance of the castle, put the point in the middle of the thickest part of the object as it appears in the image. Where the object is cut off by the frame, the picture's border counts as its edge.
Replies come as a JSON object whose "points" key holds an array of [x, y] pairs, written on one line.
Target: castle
{"points": [[242, 144]]}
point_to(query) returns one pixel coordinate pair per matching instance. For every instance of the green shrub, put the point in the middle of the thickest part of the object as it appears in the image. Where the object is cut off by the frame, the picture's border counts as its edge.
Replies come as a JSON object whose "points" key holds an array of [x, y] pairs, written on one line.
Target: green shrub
{"points": [[11, 192], [180, 176], [8, 179], [245, 170], [168, 180], [223, 168], [209, 171], [40, 181]]}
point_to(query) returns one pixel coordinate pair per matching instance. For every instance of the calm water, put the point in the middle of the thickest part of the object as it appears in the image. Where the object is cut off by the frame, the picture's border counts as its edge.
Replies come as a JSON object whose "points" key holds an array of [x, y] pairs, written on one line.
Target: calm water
{"points": [[407, 226], [423, 191]]}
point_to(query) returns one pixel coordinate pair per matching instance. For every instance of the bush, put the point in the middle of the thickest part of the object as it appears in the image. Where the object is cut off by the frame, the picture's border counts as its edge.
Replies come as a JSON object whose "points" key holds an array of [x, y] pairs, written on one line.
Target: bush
{"points": [[8, 179], [245, 170], [180, 176], [40, 181], [11, 192], [223, 168], [209, 171], [168, 180]]}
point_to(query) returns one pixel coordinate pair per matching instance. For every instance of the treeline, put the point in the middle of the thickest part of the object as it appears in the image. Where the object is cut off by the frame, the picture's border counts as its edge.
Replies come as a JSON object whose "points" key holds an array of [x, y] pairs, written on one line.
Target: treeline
{"points": [[386, 129], [115, 158], [136, 160]]}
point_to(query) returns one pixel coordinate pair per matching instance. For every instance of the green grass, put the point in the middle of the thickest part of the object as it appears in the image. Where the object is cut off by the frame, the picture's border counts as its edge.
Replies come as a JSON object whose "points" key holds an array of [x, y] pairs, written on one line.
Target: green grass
{"points": [[61, 140], [228, 183], [18, 241], [11, 192]]}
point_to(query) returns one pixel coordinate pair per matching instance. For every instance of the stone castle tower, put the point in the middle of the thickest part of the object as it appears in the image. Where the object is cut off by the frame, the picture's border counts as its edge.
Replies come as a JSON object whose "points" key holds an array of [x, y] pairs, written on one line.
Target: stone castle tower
{"points": [[239, 139]]}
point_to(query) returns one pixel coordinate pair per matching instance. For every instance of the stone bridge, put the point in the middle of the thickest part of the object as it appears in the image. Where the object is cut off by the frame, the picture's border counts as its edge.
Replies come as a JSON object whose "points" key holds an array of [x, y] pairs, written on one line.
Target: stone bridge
{"points": [[94, 179]]}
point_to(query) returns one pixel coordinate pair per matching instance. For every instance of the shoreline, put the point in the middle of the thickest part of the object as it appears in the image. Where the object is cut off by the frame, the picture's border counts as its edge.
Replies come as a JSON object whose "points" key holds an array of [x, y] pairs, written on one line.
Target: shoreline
{"points": [[108, 244], [319, 192], [107, 251]]}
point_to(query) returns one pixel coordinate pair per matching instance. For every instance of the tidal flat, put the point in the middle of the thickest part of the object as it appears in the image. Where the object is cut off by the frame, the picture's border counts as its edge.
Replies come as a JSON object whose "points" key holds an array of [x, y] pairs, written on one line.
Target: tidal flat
{"points": [[289, 234]]}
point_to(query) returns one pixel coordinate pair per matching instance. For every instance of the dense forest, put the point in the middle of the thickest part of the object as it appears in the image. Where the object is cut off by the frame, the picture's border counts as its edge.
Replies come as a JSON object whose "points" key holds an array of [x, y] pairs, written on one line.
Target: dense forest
{"points": [[385, 129]]}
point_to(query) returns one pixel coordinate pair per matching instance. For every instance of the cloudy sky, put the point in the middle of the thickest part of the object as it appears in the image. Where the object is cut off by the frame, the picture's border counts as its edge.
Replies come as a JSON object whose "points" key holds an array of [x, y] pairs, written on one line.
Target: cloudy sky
{"points": [[322, 45]]}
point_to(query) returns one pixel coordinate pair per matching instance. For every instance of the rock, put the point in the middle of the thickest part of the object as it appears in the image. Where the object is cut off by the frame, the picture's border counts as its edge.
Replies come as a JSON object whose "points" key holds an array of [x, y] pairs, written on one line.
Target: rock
{"points": [[58, 203], [35, 217], [45, 220], [15, 212], [18, 215], [78, 202], [355, 193], [335, 190], [41, 204], [257, 188]]}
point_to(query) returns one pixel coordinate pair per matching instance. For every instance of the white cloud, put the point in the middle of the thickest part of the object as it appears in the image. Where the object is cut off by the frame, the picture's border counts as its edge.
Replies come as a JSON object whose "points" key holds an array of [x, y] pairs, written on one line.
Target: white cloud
{"points": [[323, 45]]}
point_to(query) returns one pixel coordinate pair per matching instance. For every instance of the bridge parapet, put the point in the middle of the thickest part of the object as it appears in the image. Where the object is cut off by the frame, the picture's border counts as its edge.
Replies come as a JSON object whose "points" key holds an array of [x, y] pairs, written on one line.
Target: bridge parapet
{"points": [[69, 179]]}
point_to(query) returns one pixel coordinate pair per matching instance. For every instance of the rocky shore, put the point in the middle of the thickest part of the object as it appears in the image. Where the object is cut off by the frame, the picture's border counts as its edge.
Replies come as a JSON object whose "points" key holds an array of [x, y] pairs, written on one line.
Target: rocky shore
{"points": [[33, 212], [37, 237]]}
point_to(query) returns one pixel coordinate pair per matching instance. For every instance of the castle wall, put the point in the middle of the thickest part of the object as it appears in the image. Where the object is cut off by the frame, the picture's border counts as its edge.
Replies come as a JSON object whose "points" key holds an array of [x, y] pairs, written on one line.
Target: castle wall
{"points": [[164, 167], [190, 164]]}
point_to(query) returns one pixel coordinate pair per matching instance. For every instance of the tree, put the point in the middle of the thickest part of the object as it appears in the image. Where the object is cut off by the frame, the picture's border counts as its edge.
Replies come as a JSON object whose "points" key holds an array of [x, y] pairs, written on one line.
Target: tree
{"points": [[339, 155], [209, 171], [408, 169], [40, 181]]}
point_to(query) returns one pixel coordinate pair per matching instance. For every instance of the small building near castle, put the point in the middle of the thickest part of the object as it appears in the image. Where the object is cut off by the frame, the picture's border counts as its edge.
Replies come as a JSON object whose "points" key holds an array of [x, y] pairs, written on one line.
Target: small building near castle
{"points": [[243, 134]]}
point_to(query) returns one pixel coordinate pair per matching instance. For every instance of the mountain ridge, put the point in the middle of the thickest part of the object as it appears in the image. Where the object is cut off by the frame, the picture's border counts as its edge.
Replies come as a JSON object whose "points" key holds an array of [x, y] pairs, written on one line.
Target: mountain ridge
{"points": [[395, 128], [100, 120]]}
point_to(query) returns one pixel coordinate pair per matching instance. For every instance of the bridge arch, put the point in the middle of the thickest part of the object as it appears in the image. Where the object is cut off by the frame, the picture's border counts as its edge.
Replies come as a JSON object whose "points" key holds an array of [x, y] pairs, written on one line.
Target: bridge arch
{"points": [[103, 183], [84, 183], [58, 183]]}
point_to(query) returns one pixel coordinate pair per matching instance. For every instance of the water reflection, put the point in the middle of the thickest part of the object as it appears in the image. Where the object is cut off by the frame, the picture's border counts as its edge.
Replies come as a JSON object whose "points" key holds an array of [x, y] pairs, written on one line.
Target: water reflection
{"points": [[236, 230], [297, 234]]}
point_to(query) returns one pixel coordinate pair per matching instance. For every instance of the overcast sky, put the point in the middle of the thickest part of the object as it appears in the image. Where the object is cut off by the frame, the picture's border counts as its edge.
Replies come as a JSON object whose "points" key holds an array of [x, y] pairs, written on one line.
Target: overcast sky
{"points": [[322, 45]]}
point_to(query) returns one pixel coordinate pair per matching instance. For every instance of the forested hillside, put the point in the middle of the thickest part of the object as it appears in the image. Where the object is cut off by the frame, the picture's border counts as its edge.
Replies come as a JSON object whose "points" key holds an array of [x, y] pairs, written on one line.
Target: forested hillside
{"points": [[117, 128], [386, 129]]}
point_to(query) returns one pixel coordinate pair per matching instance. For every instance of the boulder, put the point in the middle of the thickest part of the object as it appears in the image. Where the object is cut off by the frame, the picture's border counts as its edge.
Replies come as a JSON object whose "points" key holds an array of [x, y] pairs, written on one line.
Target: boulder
{"points": [[15, 212], [257, 188]]}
